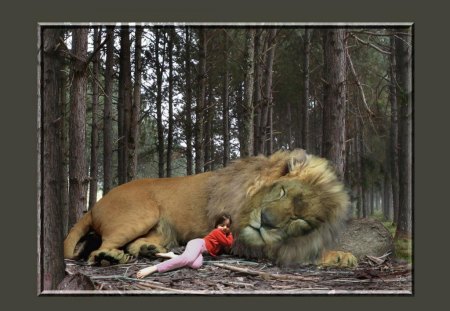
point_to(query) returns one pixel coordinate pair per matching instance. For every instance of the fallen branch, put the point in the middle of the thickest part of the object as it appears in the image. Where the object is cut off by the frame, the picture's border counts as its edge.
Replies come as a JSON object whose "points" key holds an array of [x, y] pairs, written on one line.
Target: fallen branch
{"points": [[265, 275]]}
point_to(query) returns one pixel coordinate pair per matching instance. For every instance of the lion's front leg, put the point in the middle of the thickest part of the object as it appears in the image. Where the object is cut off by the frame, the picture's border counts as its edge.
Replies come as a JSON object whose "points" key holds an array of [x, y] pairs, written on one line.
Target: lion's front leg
{"points": [[338, 259], [109, 256]]}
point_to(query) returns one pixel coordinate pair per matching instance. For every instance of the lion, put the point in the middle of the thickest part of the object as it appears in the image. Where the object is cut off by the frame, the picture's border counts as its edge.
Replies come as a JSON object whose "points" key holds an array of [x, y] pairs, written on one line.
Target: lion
{"points": [[287, 208]]}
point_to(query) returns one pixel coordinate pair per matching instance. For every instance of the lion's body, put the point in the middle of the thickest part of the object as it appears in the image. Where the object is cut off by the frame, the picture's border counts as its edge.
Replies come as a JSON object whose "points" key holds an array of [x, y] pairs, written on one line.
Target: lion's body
{"points": [[146, 216]]}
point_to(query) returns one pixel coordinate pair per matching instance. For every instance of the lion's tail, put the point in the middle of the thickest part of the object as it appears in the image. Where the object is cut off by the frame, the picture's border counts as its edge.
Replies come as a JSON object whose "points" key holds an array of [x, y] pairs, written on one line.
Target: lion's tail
{"points": [[79, 230]]}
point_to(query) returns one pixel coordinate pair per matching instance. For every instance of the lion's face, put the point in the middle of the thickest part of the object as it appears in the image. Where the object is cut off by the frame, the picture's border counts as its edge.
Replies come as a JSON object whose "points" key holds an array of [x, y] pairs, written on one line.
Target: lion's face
{"points": [[280, 220]]}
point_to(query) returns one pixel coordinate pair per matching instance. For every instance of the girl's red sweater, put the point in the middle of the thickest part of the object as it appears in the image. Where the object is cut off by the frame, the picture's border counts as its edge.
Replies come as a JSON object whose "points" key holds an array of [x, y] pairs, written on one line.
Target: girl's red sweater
{"points": [[217, 240]]}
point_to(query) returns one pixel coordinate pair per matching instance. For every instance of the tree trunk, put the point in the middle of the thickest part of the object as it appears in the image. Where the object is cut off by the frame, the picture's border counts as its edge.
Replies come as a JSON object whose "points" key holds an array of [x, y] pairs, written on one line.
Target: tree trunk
{"points": [[248, 86], [305, 99], [77, 129], [334, 102], [267, 124], [258, 102], [170, 133], [404, 97], [225, 103], [135, 108], [125, 104], [107, 112], [51, 250], [188, 122], [200, 108], [159, 73], [394, 132], [64, 150], [94, 131]]}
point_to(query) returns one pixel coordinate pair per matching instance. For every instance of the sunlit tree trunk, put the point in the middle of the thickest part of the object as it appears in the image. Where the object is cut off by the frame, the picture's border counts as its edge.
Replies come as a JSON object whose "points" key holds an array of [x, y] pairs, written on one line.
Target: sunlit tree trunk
{"points": [[247, 148], [107, 112], [200, 108]]}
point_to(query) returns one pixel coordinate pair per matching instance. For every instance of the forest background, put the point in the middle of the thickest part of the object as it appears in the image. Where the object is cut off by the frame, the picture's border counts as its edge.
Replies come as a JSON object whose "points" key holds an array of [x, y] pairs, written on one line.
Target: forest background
{"points": [[129, 101]]}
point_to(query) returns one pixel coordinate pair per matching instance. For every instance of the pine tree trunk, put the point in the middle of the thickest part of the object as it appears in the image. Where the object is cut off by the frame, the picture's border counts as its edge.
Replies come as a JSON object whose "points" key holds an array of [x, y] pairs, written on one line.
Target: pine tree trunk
{"points": [[136, 107], [77, 129], [247, 148], [225, 107], [404, 98], [394, 132], [200, 108], [334, 101], [107, 112], [64, 143], [51, 250], [94, 131], [305, 99], [170, 133], [258, 102], [188, 115], [159, 73], [268, 124]]}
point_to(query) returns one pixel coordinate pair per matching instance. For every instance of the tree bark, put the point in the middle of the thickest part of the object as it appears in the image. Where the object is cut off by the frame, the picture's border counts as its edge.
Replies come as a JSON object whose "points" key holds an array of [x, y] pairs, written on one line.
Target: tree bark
{"points": [[404, 98], [305, 99], [77, 129], [94, 126], [188, 115], [268, 93], [136, 107], [51, 228], [125, 102], [107, 112], [200, 108], [248, 86], [159, 73], [260, 126], [225, 101], [394, 147], [334, 98], [170, 133]]}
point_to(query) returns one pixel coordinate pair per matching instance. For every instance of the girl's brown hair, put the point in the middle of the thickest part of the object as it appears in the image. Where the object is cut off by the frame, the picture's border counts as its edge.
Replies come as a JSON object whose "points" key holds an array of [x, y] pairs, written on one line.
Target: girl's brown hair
{"points": [[221, 219]]}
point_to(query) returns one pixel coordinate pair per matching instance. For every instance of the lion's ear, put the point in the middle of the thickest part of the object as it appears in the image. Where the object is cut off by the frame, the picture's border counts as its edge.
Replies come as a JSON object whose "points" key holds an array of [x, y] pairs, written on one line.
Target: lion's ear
{"points": [[296, 157]]}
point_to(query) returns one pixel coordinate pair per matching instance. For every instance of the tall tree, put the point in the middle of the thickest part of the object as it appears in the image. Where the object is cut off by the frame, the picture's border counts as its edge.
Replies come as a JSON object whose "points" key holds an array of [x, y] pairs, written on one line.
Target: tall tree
{"points": [[51, 213], [125, 102], [404, 99], [200, 108], [259, 104], [225, 102], [94, 126], [77, 128], [136, 106], [188, 110], [305, 99], [247, 147], [393, 131], [170, 133], [268, 93], [107, 111], [334, 98], [159, 65]]}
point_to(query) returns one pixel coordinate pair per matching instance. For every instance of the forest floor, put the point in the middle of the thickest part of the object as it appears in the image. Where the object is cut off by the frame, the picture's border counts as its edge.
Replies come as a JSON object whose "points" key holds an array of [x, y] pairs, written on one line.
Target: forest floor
{"points": [[229, 275]]}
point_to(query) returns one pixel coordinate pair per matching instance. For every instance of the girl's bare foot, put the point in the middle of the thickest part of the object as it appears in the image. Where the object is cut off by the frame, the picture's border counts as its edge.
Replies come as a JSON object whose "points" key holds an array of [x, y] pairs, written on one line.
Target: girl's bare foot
{"points": [[146, 271], [166, 255]]}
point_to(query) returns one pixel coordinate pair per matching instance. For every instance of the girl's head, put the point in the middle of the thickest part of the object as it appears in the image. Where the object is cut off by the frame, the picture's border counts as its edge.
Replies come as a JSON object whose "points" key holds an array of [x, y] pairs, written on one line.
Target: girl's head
{"points": [[223, 220]]}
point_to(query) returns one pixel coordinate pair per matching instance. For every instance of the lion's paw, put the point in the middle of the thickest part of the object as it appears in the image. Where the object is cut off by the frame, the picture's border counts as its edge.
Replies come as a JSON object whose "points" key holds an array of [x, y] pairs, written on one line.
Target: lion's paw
{"points": [[338, 259], [150, 250], [107, 257]]}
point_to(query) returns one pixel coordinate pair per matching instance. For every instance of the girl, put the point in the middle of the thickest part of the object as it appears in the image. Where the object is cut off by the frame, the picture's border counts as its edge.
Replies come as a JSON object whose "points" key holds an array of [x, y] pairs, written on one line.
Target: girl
{"points": [[217, 241]]}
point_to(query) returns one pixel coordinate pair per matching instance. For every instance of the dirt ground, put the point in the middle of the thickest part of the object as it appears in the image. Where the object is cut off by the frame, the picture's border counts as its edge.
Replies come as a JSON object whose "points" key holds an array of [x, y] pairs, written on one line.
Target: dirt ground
{"points": [[229, 275]]}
